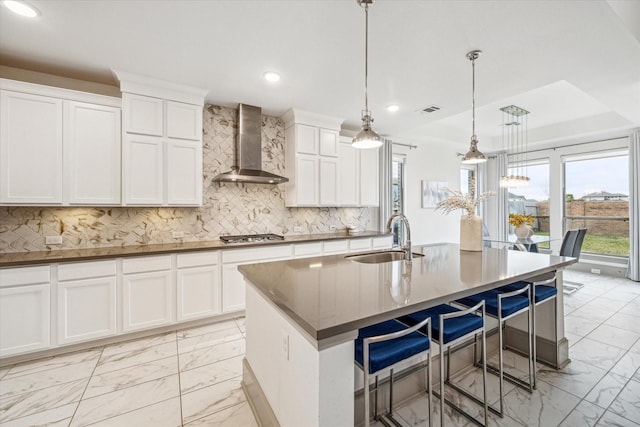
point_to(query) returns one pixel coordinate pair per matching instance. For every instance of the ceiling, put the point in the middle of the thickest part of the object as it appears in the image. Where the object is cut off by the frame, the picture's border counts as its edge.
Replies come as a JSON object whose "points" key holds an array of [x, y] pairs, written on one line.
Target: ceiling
{"points": [[575, 65]]}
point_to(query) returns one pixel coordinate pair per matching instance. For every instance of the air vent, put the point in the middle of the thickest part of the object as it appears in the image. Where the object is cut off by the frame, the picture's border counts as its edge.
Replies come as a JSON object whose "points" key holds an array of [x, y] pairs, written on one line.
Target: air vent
{"points": [[430, 109]]}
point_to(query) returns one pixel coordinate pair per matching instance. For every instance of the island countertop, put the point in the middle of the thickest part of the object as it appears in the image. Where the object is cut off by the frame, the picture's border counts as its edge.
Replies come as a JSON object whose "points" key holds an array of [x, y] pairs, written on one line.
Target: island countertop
{"points": [[331, 295]]}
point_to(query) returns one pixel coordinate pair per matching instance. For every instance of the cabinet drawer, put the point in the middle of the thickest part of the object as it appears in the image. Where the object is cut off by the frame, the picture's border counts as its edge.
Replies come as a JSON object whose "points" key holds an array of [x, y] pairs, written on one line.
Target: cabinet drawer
{"points": [[24, 276], [359, 244], [197, 259], [336, 247], [307, 249], [143, 264], [86, 270], [252, 255]]}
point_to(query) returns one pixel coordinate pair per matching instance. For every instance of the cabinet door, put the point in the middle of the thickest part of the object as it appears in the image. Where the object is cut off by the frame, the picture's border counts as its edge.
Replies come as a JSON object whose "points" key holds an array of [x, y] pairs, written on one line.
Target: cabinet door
{"points": [[198, 292], [328, 143], [92, 153], [184, 173], [306, 185], [147, 300], [306, 139], [328, 181], [143, 170], [369, 177], [30, 149], [24, 319], [184, 121], [233, 298], [86, 309], [142, 114], [348, 175]]}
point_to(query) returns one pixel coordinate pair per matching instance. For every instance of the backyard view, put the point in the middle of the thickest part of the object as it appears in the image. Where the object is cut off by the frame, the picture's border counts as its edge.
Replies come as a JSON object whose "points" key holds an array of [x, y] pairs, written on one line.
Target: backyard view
{"points": [[596, 198]]}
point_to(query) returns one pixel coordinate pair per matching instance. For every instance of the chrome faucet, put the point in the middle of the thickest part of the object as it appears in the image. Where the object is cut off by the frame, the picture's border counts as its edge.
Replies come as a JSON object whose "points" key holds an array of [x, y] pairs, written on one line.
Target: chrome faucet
{"points": [[408, 256]]}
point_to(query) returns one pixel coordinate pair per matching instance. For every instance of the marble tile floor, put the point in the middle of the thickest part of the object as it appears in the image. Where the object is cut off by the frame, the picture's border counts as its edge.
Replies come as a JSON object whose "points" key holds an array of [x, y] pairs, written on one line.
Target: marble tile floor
{"points": [[192, 377]]}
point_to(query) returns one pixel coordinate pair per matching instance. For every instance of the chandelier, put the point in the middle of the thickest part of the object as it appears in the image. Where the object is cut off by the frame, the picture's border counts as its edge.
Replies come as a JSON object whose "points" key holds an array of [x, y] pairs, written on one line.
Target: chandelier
{"points": [[514, 141]]}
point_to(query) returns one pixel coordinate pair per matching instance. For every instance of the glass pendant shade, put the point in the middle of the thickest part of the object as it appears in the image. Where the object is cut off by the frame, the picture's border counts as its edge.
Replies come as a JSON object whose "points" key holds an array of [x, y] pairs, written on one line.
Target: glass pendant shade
{"points": [[514, 142]]}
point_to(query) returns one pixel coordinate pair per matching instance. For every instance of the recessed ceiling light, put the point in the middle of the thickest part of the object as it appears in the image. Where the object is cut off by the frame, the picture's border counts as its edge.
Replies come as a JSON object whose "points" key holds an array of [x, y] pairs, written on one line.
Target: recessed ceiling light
{"points": [[21, 8], [392, 108], [271, 76]]}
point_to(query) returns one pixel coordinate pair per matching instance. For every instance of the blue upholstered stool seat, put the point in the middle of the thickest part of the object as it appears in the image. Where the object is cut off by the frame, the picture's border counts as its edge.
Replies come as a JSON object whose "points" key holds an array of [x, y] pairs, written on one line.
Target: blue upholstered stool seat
{"points": [[510, 305], [541, 292], [386, 353], [453, 328]]}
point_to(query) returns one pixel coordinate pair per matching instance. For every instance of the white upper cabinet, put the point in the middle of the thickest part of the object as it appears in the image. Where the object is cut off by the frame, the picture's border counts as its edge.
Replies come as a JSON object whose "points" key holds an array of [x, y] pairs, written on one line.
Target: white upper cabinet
{"points": [[143, 114], [311, 151], [328, 142], [30, 149], [358, 175], [348, 175], [170, 116], [58, 146], [92, 152], [143, 170]]}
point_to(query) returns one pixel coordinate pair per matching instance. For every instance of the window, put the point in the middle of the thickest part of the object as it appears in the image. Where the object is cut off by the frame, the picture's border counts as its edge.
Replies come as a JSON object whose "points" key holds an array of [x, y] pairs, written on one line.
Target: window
{"points": [[398, 201], [467, 174], [596, 197], [534, 198]]}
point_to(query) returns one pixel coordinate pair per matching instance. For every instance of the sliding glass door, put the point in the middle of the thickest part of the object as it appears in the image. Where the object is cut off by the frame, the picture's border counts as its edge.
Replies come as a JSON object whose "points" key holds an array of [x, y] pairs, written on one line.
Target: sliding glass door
{"points": [[596, 197]]}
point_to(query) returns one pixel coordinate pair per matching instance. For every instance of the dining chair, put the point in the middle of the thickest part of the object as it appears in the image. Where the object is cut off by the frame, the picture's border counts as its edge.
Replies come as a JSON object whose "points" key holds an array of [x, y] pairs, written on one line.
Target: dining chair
{"points": [[569, 287]]}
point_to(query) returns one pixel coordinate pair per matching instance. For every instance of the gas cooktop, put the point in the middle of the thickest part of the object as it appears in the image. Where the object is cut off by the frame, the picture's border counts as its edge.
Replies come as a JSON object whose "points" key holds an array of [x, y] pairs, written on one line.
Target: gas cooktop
{"points": [[251, 238]]}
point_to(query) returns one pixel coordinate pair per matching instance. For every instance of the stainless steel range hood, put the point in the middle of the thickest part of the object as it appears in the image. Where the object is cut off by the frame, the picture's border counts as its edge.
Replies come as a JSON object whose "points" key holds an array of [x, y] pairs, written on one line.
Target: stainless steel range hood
{"points": [[247, 163]]}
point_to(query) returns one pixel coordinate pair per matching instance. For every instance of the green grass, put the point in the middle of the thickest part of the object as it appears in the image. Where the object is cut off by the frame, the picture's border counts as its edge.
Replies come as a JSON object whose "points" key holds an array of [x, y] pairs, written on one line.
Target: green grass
{"points": [[607, 244]]}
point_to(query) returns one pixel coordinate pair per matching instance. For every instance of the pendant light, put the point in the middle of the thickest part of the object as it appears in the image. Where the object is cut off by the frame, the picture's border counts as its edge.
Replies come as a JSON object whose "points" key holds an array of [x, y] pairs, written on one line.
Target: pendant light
{"points": [[366, 138], [473, 156], [514, 141]]}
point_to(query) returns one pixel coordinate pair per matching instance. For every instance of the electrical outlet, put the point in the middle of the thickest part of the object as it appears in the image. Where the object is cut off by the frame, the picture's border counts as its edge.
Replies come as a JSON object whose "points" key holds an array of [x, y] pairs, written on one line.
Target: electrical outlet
{"points": [[178, 234], [297, 229], [285, 345], [595, 270], [53, 240]]}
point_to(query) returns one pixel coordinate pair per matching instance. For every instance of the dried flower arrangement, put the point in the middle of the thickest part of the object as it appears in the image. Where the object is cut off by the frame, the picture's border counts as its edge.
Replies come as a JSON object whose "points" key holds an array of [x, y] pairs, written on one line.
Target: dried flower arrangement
{"points": [[519, 219], [459, 200]]}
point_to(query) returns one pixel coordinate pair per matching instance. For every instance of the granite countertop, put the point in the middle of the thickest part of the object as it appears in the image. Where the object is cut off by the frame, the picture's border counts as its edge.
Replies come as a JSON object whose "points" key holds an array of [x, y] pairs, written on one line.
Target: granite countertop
{"points": [[331, 295], [15, 259]]}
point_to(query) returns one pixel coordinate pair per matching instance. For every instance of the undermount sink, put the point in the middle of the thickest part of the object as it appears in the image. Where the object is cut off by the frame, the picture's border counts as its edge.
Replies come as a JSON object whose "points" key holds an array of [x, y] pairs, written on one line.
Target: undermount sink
{"points": [[378, 257]]}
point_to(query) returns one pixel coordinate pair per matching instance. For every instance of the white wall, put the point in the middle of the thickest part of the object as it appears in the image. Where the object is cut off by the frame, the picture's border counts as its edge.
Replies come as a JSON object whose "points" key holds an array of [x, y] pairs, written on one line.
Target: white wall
{"points": [[432, 162]]}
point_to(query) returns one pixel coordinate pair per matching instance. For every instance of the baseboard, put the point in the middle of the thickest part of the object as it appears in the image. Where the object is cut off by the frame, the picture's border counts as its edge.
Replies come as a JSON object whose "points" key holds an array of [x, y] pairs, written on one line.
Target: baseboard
{"points": [[257, 400], [546, 351]]}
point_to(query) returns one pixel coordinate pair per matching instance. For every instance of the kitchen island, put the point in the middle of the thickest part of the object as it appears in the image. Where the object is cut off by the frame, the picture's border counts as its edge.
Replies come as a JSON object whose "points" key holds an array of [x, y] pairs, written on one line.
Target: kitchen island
{"points": [[302, 317]]}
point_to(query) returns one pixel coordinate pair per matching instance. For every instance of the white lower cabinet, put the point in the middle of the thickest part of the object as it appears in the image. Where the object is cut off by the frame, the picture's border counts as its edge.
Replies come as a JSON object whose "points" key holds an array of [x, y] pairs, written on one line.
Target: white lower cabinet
{"points": [[86, 301], [24, 310], [233, 285], [198, 286], [147, 293]]}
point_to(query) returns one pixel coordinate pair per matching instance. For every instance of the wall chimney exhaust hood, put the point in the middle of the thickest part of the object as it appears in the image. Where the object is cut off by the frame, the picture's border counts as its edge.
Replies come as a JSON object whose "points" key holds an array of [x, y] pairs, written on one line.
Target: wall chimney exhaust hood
{"points": [[247, 158]]}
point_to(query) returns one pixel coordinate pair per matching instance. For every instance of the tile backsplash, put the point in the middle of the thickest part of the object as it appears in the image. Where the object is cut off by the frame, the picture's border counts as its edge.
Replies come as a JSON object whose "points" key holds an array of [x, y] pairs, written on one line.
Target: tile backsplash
{"points": [[228, 208]]}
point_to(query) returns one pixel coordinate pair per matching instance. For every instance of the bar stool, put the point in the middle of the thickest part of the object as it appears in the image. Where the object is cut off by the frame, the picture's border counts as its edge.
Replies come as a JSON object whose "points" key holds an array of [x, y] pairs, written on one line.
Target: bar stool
{"points": [[450, 327], [542, 293], [504, 305], [383, 345]]}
